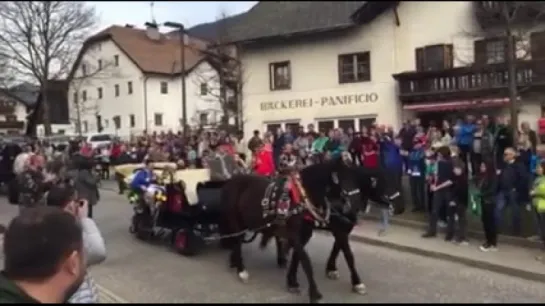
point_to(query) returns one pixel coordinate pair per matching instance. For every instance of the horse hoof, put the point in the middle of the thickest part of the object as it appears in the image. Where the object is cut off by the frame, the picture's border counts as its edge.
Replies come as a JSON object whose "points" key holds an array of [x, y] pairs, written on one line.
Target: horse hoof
{"points": [[316, 298], [282, 264], [294, 290], [334, 274], [360, 289], [244, 276]]}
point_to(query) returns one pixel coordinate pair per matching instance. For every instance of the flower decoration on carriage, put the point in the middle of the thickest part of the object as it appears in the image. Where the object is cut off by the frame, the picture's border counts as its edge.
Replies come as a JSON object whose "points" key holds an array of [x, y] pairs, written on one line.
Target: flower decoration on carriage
{"points": [[133, 197], [160, 196]]}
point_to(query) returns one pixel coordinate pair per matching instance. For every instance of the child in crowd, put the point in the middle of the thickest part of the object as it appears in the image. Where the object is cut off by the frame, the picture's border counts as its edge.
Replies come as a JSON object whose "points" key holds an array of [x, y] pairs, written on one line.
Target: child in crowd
{"points": [[538, 200], [441, 188], [487, 185], [456, 210]]}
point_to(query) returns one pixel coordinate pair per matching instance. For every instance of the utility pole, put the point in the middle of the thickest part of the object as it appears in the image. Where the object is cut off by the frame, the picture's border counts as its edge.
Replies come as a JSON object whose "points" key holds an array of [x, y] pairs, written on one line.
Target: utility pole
{"points": [[181, 28]]}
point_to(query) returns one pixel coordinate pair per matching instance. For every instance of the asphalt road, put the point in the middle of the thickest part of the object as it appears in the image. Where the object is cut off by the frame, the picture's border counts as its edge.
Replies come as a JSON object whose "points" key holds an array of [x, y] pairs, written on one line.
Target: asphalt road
{"points": [[145, 273]]}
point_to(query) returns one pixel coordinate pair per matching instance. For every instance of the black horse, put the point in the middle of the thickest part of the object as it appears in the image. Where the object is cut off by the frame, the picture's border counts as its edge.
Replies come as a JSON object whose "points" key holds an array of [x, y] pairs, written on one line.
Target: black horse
{"points": [[347, 194], [254, 203]]}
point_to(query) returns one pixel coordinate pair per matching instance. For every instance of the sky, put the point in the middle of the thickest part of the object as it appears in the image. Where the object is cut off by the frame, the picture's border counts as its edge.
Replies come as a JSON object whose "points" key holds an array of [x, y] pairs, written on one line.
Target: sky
{"points": [[189, 13]]}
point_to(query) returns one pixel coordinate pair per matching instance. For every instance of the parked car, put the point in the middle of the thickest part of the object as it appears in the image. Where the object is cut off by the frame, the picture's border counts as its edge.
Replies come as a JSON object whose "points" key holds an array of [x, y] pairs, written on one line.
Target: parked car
{"points": [[99, 140]]}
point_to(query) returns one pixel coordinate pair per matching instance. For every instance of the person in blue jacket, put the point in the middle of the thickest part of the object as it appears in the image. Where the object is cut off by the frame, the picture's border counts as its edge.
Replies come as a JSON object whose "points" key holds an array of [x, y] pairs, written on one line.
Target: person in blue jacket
{"points": [[392, 161], [143, 178], [464, 139]]}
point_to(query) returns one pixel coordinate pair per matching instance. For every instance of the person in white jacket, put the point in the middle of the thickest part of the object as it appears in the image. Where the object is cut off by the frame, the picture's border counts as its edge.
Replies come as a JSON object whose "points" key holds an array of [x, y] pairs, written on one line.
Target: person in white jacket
{"points": [[65, 197]]}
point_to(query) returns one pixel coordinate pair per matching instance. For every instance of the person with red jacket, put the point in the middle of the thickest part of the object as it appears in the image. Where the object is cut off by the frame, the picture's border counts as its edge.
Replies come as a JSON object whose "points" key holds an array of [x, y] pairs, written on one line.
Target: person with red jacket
{"points": [[370, 153], [86, 150], [263, 161], [115, 152]]}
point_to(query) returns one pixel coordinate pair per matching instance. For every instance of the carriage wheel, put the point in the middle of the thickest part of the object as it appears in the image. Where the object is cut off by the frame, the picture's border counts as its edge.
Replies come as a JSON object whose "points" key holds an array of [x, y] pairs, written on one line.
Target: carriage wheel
{"points": [[140, 228], [185, 242]]}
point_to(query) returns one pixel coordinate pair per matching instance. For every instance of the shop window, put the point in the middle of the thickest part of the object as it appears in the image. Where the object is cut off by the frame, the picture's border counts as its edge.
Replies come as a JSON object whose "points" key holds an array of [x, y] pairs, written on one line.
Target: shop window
{"points": [[293, 126], [273, 127], [346, 124], [366, 122], [325, 126]]}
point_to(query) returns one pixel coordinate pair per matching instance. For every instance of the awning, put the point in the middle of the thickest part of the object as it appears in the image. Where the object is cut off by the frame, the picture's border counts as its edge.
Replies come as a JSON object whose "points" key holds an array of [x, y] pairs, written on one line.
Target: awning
{"points": [[457, 105]]}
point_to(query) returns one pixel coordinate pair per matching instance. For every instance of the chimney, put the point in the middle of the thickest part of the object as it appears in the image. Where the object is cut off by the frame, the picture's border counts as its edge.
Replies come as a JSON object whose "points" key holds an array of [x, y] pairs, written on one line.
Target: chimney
{"points": [[130, 26], [152, 31]]}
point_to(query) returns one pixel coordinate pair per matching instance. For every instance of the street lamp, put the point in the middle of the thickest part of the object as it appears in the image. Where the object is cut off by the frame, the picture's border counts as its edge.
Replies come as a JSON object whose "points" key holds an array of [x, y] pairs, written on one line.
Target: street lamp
{"points": [[181, 28]]}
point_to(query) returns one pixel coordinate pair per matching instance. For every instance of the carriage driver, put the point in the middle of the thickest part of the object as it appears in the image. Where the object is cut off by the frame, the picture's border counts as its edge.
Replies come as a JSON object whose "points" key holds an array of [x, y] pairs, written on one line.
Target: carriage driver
{"points": [[142, 180]]}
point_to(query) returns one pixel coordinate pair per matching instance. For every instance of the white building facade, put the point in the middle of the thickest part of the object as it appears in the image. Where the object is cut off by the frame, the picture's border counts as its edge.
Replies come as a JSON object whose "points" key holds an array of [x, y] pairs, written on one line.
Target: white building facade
{"points": [[345, 79], [133, 83]]}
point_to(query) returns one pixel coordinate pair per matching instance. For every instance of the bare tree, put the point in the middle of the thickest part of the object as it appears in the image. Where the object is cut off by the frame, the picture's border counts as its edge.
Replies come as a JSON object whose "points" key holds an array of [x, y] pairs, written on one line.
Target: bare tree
{"points": [[41, 40], [224, 84], [514, 21]]}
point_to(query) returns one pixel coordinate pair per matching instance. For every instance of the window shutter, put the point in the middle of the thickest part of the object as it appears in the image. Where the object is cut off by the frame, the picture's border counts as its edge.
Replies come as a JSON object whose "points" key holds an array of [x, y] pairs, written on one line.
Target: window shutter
{"points": [[420, 59], [448, 56], [479, 52], [537, 45]]}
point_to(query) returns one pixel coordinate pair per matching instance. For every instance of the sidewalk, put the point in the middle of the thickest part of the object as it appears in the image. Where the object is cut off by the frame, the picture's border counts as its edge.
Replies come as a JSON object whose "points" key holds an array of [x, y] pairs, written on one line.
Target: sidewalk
{"points": [[509, 259]]}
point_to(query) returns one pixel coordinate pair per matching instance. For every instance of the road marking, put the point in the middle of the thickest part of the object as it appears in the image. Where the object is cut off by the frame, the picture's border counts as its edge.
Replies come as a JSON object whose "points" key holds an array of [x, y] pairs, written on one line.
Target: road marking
{"points": [[108, 297]]}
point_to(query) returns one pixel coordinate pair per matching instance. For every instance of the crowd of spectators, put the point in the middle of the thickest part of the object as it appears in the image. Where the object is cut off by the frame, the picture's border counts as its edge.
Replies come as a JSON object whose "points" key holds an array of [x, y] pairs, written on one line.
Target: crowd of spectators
{"points": [[483, 161]]}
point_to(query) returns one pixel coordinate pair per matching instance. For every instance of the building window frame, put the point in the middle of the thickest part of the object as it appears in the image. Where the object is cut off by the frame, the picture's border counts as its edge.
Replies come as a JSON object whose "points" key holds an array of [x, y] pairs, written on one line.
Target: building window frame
{"points": [[116, 60], [495, 51], [100, 93], [354, 67], [280, 75], [204, 89], [132, 120], [116, 90], [164, 88], [434, 57], [158, 119], [129, 88]]}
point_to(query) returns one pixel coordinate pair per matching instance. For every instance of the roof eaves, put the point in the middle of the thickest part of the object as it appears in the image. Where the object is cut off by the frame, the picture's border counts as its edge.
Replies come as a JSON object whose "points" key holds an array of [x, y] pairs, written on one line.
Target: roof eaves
{"points": [[294, 34], [174, 74]]}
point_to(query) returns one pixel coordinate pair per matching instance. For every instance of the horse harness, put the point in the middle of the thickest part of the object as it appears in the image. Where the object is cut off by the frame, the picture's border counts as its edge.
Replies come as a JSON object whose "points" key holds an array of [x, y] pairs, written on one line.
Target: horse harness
{"points": [[277, 200]]}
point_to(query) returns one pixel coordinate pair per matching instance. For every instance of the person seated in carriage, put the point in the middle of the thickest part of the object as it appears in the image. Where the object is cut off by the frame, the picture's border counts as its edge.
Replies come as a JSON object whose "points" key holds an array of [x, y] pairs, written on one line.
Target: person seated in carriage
{"points": [[141, 183], [221, 163]]}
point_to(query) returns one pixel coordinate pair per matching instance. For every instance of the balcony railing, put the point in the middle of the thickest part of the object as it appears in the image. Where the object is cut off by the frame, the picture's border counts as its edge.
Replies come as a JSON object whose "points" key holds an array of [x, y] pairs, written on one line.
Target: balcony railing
{"points": [[468, 80], [6, 109], [15, 125]]}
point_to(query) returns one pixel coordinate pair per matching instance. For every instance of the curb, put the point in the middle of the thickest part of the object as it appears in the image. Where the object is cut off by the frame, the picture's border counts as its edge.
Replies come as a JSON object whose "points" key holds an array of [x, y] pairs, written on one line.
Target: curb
{"points": [[515, 241], [474, 263], [108, 297]]}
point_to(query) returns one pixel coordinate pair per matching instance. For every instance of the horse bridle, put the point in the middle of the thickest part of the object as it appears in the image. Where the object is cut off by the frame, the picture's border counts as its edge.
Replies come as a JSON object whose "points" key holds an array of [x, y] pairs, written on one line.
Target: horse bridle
{"points": [[308, 205]]}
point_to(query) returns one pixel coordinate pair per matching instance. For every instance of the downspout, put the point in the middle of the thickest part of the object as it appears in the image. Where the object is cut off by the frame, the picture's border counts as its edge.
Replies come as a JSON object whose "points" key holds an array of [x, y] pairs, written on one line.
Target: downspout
{"points": [[146, 103]]}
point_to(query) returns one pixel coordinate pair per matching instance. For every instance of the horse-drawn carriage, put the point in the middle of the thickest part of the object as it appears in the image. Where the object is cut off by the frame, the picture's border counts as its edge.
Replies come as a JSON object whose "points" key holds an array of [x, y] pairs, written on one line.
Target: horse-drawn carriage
{"points": [[180, 206]]}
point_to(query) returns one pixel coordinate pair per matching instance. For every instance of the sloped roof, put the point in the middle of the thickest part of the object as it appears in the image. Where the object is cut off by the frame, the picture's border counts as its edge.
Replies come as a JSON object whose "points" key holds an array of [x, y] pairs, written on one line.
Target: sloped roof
{"points": [[160, 56], [280, 18], [25, 92], [210, 30]]}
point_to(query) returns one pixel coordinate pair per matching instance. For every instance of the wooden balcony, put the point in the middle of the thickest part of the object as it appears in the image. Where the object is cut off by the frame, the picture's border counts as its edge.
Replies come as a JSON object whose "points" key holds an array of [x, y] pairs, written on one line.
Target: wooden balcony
{"points": [[6, 109], [12, 125], [467, 82]]}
